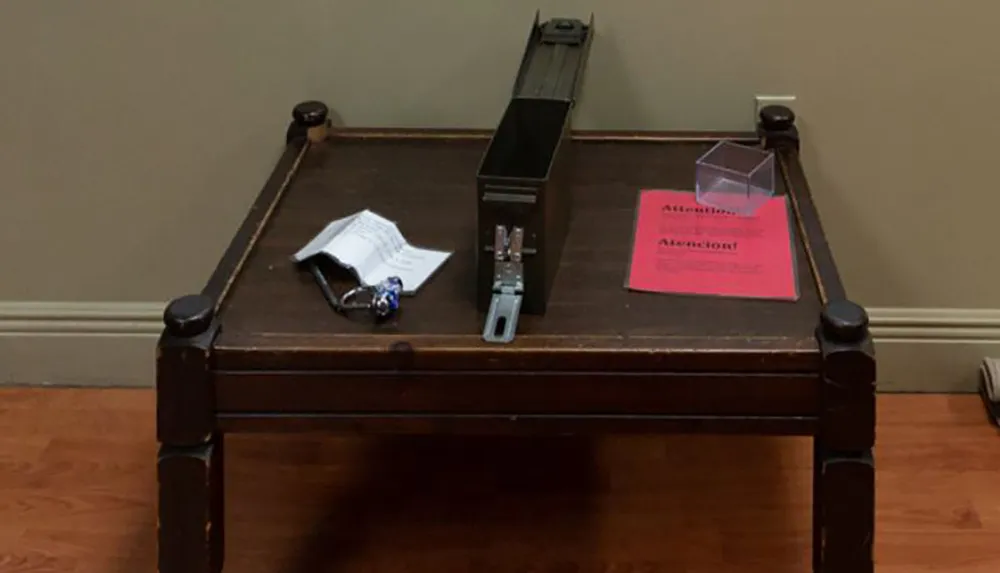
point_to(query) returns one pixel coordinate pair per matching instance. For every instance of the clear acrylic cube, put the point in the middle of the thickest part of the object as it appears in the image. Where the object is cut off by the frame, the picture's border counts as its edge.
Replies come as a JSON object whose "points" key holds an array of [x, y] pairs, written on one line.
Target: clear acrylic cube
{"points": [[735, 178]]}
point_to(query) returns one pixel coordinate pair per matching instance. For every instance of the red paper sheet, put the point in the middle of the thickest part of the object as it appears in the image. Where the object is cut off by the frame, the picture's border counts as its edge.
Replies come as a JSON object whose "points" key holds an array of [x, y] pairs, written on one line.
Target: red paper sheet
{"points": [[685, 248]]}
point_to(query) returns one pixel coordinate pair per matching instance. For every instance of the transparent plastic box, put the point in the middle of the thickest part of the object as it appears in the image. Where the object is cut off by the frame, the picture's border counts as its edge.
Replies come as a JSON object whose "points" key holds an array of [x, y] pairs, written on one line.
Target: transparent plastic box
{"points": [[735, 178]]}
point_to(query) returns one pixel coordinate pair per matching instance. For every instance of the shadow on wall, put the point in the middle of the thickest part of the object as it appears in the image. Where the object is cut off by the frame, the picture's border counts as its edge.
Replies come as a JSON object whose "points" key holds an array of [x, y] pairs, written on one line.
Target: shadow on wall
{"points": [[609, 98], [830, 202]]}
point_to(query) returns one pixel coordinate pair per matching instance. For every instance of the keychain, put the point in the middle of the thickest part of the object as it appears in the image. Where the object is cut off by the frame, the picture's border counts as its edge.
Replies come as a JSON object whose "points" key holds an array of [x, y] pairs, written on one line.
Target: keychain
{"points": [[381, 300]]}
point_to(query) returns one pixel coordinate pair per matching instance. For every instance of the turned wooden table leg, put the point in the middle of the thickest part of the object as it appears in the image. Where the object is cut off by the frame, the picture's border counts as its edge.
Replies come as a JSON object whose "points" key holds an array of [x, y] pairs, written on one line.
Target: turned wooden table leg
{"points": [[817, 506], [190, 462], [191, 510], [844, 478]]}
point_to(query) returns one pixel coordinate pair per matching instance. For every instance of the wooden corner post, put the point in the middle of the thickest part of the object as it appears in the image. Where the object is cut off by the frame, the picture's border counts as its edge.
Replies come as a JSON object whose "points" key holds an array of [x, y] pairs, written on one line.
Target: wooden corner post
{"points": [[189, 466], [844, 466]]}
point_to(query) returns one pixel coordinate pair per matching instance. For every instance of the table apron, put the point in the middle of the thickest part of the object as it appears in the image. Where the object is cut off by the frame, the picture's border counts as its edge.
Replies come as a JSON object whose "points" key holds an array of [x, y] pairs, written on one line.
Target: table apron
{"points": [[514, 425], [517, 393]]}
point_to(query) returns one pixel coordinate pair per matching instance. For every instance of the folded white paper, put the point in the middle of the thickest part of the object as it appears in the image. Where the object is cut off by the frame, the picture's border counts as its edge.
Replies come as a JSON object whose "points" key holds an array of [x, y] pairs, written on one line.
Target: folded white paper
{"points": [[372, 247]]}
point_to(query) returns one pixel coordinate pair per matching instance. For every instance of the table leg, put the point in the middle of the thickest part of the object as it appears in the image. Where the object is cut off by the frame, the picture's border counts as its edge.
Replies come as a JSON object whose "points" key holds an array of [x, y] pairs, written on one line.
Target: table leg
{"points": [[817, 506], [189, 465], [844, 467], [848, 522], [191, 526]]}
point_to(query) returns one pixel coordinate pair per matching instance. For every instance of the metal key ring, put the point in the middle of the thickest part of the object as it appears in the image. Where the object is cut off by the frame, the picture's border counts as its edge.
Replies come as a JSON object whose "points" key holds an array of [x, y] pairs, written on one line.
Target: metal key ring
{"points": [[383, 300], [348, 299]]}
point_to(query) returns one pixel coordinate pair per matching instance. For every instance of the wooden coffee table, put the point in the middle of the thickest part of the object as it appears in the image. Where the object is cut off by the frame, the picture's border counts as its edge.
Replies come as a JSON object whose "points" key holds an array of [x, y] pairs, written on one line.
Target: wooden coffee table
{"points": [[258, 350]]}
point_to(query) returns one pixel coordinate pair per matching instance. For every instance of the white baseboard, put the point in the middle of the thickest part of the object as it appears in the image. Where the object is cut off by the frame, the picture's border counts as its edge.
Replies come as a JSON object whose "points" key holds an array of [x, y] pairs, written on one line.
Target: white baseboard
{"points": [[933, 349], [79, 344], [113, 344]]}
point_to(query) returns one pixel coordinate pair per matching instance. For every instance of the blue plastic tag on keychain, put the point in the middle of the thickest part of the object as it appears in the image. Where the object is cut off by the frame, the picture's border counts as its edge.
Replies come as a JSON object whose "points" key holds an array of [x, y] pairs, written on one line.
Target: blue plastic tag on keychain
{"points": [[385, 297]]}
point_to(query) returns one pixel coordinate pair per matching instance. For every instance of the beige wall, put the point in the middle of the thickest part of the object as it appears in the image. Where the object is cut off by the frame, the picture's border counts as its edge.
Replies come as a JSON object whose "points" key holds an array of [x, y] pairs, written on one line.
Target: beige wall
{"points": [[133, 135]]}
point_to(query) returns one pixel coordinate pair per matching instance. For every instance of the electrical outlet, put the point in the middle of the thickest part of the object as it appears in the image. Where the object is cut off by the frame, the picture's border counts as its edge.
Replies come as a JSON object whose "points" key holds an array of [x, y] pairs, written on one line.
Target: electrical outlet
{"points": [[762, 101]]}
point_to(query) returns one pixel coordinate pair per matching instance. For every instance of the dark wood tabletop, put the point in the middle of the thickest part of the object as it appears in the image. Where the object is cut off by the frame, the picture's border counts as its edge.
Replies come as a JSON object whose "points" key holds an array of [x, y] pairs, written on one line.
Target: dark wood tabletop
{"points": [[273, 309]]}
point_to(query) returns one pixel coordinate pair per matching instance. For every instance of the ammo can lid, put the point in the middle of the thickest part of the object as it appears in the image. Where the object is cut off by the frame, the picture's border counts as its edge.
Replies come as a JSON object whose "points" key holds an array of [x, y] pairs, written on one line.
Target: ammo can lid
{"points": [[554, 59]]}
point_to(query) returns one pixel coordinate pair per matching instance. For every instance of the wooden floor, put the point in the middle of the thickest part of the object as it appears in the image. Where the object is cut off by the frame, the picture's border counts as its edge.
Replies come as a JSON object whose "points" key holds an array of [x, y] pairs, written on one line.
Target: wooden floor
{"points": [[77, 493]]}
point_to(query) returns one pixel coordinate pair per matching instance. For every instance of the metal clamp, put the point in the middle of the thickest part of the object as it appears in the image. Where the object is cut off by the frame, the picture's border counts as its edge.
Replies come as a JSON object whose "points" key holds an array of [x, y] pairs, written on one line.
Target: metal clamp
{"points": [[508, 285]]}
